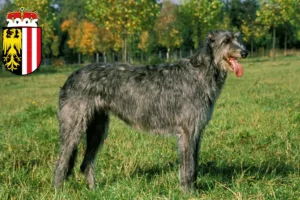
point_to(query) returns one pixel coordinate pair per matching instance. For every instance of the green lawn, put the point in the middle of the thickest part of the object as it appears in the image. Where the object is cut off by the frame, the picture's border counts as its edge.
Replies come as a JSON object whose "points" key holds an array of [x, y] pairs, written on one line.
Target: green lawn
{"points": [[250, 150]]}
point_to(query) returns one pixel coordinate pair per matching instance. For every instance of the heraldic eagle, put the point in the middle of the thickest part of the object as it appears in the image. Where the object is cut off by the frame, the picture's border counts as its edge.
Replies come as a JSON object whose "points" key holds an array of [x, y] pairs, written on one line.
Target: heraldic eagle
{"points": [[12, 44]]}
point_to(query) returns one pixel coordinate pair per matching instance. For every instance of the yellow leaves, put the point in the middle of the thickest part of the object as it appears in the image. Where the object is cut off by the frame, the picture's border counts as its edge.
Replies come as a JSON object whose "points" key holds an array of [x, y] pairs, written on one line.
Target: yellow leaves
{"points": [[130, 2], [123, 17], [80, 34], [177, 38], [213, 5], [86, 37], [143, 40], [275, 12], [66, 25], [165, 26], [87, 41], [174, 32]]}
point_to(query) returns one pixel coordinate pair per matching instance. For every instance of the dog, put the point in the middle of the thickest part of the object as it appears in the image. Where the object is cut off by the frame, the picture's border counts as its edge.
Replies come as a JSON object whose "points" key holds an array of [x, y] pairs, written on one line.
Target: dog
{"points": [[170, 99]]}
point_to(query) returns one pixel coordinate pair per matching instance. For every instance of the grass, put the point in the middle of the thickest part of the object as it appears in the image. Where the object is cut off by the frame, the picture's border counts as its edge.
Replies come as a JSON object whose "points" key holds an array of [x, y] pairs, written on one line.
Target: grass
{"points": [[250, 150]]}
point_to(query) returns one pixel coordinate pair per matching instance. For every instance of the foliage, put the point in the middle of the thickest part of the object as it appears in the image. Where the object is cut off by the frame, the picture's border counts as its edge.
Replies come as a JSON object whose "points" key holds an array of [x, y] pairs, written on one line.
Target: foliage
{"points": [[122, 18], [270, 13], [166, 28], [251, 29], [55, 46], [277, 12], [274, 13], [46, 19], [144, 38], [86, 37], [202, 17], [146, 26], [74, 31]]}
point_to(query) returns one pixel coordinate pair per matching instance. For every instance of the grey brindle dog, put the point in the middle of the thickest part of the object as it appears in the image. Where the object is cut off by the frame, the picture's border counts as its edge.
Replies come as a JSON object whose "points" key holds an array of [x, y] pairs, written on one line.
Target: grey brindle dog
{"points": [[175, 99]]}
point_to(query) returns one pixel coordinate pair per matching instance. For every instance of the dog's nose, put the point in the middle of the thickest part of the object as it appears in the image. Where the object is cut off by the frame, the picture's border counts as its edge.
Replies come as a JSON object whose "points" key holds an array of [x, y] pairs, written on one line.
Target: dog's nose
{"points": [[244, 53]]}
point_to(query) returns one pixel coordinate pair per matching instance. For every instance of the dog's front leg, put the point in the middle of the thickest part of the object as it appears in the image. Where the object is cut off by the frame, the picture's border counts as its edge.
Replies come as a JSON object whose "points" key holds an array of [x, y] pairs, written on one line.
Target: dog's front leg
{"points": [[189, 145]]}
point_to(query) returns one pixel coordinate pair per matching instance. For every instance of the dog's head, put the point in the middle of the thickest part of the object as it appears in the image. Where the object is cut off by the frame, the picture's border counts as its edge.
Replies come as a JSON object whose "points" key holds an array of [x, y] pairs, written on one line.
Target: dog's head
{"points": [[226, 50]]}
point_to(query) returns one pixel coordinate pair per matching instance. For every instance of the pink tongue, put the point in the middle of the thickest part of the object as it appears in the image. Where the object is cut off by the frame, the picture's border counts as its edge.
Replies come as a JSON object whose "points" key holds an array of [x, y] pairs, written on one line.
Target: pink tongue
{"points": [[237, 68]]}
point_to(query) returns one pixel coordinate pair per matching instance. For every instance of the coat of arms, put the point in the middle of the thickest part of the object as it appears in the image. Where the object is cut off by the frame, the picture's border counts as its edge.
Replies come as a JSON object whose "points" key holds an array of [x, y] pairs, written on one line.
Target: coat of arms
{"points": [[22, 42]]}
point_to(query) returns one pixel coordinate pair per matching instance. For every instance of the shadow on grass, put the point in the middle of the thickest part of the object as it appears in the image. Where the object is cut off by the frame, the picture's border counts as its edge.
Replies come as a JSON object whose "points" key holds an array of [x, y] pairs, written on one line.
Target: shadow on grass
{"points": [[211, 172], [152, 172]]}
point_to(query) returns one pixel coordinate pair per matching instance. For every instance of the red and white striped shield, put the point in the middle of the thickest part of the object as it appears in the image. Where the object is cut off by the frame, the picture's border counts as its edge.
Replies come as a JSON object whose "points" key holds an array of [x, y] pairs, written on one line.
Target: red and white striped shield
{"points": [[22, 49]]}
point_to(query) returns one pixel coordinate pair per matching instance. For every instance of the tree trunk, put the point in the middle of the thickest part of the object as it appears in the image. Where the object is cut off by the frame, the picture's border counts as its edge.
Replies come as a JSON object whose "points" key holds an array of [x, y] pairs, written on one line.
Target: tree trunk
{"points": [[191, 52], [180, 54], [168, 54], [142, 56], [79, 58], [274, 42], [251, 47], [104, 57], [159, 54], [97, 57], [124, 56], [285, 43], [263, 51], [175, 55]]}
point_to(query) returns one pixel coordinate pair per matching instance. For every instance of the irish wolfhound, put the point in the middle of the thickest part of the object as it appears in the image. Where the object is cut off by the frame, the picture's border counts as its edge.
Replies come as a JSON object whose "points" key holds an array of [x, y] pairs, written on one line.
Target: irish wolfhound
{"points": [[173, 99]]}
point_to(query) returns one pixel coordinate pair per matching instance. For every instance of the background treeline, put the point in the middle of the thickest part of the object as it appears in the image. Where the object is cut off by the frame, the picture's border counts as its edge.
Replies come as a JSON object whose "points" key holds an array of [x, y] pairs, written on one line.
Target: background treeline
{"points": [[155, 31]]}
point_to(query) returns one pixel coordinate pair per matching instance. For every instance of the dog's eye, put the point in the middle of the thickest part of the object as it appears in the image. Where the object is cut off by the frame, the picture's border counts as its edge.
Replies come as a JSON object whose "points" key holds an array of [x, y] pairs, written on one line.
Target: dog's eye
{"points": [[226, 41]]}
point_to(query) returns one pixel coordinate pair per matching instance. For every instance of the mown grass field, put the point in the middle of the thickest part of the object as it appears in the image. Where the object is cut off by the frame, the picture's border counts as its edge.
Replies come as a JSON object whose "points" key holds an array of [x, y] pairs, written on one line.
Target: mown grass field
{"points": [[250, 150]]}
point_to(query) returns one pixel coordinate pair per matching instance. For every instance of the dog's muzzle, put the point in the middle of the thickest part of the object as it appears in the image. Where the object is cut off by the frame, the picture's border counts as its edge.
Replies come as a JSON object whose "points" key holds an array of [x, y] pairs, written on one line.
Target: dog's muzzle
{"points": [[244, 53]]}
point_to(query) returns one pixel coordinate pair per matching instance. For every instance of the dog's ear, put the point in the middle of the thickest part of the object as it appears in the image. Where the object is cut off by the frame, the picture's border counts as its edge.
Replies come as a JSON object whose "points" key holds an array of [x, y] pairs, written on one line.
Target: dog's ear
{"points": [[211, 37]]}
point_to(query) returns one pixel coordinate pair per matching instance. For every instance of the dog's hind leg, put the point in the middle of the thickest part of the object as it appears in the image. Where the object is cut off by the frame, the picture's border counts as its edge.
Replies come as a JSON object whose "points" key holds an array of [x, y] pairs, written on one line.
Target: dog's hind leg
{"points": [[189, 145], [72, 121], [96, 133]]}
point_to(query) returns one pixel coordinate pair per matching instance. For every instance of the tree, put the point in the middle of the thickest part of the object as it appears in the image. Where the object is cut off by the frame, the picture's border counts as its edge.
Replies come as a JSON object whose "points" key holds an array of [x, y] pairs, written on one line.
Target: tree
{"points": [[166, 28], [87, 38], [273, 13], [55, 46], [144, 43], [237, 12], [106, 41], [291, 14], [202, 16], [46, 19], [250, 28], [69, 10], [4, 9], [74, 33], [121, 17]]}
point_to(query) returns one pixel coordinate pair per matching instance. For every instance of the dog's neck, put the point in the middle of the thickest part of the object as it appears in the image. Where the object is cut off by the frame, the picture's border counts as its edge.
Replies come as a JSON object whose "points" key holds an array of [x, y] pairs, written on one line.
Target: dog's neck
{"points": [[208, 66], [212, 76]]}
